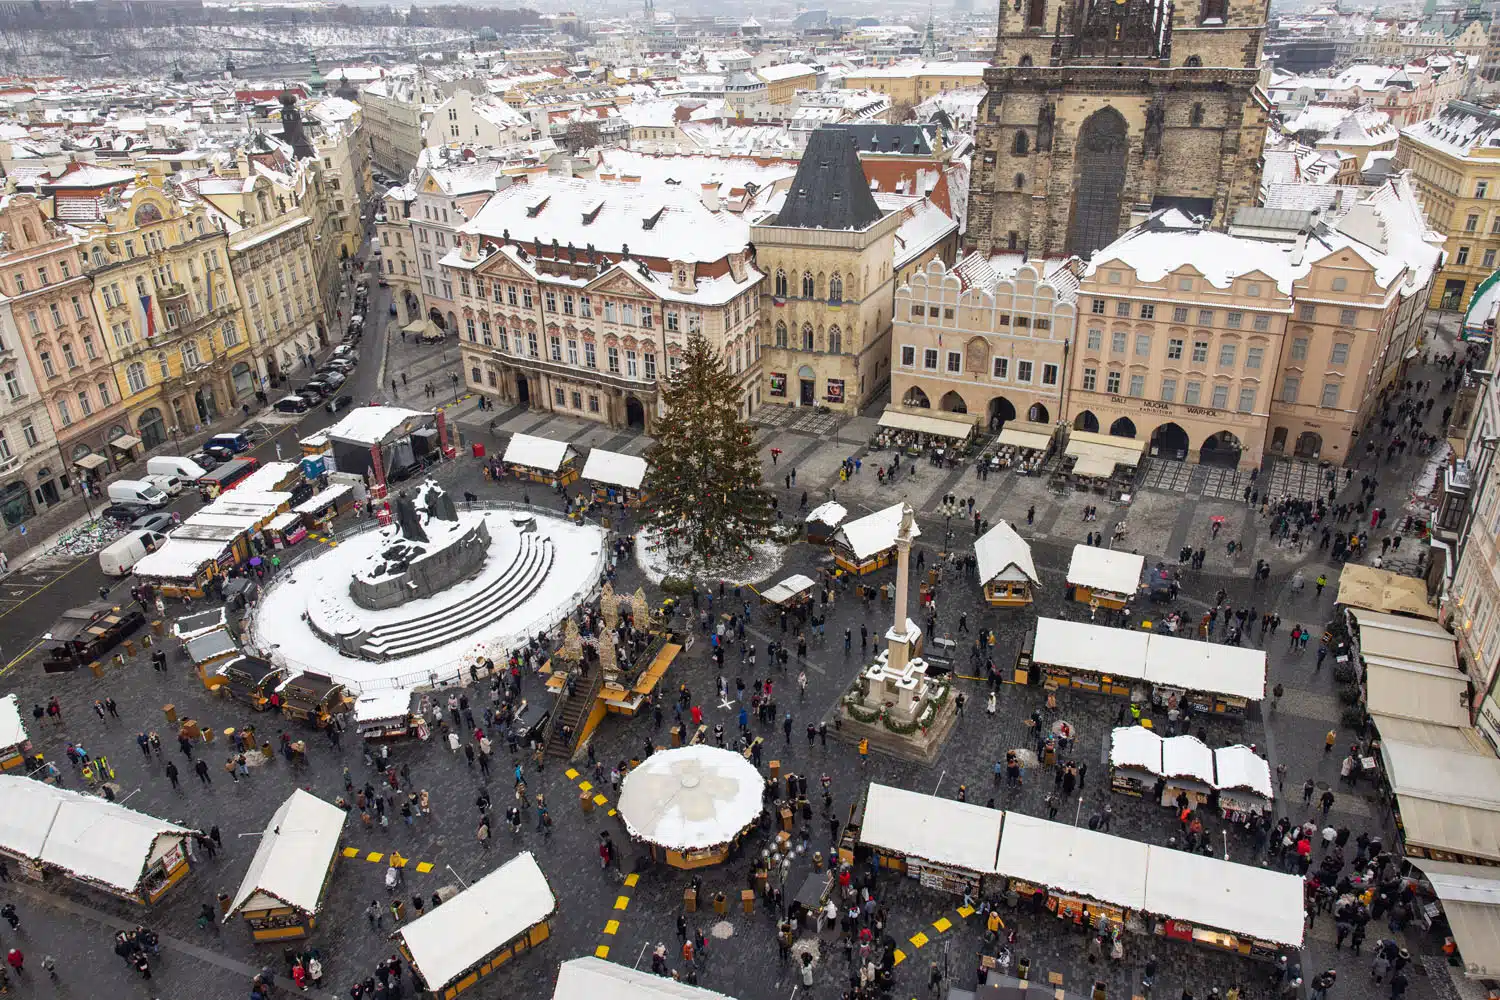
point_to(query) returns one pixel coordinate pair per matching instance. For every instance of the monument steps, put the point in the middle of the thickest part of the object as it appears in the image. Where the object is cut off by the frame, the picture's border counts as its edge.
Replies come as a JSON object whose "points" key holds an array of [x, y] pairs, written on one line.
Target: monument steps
{"points": [[429, 631]]}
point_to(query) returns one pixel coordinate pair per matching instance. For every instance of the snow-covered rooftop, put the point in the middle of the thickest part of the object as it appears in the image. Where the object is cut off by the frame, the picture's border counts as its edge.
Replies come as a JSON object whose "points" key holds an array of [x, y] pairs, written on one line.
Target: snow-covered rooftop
{"points": [[291, 861]]}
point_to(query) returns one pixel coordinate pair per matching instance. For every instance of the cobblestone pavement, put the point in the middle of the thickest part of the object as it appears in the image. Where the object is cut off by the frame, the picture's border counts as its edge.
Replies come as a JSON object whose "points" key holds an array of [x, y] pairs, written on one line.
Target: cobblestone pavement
{"points": [[75, 926]]}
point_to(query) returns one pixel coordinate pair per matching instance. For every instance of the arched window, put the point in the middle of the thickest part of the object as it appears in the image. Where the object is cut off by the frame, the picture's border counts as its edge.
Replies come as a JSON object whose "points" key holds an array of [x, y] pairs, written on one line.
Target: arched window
{"points": [[780, 283], [1020, 181], [1021, 146], [135, 375], [1024, 61], [835, 289], [1193, 61], [780, 334], [809, 290], [27, 234], [161, 365], [807, 337], [1196, 118], [835, 341]]}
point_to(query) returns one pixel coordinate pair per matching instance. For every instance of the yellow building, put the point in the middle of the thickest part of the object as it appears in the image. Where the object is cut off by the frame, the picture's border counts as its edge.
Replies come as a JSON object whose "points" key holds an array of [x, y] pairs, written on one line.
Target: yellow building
{"points": [[167, 301], [1455, 165], [912, 83], [784, 80]]}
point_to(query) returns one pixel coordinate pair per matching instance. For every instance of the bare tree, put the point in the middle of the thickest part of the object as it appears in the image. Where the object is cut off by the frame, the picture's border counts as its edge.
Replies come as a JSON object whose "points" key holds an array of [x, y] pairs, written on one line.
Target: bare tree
{"points": [[581, 135]]}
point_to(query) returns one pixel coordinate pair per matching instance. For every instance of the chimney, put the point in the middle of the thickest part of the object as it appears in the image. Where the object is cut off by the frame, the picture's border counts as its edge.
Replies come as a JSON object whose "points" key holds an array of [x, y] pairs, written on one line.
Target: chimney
{"points": [[630, 178], [1299, 248], [710, 195], [470, 247]]}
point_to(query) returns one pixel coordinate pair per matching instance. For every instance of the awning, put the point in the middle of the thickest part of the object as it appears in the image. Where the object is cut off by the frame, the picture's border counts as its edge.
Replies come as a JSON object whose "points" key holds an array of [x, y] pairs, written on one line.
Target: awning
{"points": [[90, 461], [1035, 440], [1095, 467], [125, 442], [958, 429], [1124, 451], [1381, 590], [1471, 902]]}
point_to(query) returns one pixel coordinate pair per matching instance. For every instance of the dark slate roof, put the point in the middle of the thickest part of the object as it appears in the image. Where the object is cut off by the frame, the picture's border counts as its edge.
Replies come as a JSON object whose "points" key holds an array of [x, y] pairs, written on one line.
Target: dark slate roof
{"points": [[878, 137], [830, 190]]}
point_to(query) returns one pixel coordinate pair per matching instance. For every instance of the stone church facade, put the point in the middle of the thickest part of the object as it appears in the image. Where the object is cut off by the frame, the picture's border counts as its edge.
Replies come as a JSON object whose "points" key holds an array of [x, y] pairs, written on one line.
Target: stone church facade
{"points": [[1100, 111]]}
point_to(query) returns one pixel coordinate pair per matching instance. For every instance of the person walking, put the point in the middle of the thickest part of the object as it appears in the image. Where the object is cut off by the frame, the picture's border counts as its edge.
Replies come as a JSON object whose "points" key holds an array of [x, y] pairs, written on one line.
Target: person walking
{"points": [[202, 768], [16, 960], [171, 770]]}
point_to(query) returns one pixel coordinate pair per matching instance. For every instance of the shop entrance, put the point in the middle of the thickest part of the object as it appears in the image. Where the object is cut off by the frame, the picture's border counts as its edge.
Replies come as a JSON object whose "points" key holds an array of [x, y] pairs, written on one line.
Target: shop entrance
{"points": [[1222, 449], [1001, 412], [1169, 441], [1122, 428], [523, 390], [808, 385], [1309, 445], [635, 413], [1086, 422]]}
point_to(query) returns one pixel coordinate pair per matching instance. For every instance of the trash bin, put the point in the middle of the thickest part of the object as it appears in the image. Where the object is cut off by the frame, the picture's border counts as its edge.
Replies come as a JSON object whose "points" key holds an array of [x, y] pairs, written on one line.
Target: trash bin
{"points": [[478, 449], [170, 711]]}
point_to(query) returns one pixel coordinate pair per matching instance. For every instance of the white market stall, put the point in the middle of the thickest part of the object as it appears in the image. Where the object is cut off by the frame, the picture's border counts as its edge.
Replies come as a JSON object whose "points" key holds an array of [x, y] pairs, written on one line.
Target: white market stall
{"points": [[1090, 657], [617, 477], [384, 713], [1007, 572], [869, 543], [14, 743], [1243, 778], [1251, 911], [1105, 575], [948, 845], [282, 891], [450, 947], [1086, 875], [593, 978], [823, 521], [540, 459], [691, 805], [794, 590], [1187, 770], [1134, 759], [1213, 678], [46, 830]]}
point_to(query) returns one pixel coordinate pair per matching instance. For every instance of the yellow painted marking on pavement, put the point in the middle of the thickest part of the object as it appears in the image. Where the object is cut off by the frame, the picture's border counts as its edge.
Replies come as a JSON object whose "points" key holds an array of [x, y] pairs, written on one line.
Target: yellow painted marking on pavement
{"points": [[610, 813], [374, 856], [621, 902], [351, 852], [918, 939], [425, 867], [942, 925], [571, 773], [585, 786], [23, 656], [599, 800], [631, 880], [900, 956], [966, 912], [602, 951], [612, 927]]}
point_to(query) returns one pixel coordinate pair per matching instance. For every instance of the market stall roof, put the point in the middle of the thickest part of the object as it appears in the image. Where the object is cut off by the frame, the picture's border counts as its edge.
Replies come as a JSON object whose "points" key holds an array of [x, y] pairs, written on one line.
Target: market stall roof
{"points": [[1471, 902], [1004, 555], [1395, 641], [1073, 860], [615, 469], [81, 834], [788, 589], [1187, 757], [12, 729], [1082, 646], [537, 452], [210, 645], [1137, 747], [1022, 438], [831, 513], [945, 831], [1225, 896], [369, 425], [1450, 827], [1124, 451], [1239, 767], [283, 521], [448, 940], [1106, 569], [292, 860], [178, 559], [923, 423], [874, 533], [1095, 466], [1416, 695], [1427, 734], [269, 478], [692, 797], [382, 703], [593, 978], [1206, 666], [1363, 586], [1442, 775], [200, 622], [322, 499]]}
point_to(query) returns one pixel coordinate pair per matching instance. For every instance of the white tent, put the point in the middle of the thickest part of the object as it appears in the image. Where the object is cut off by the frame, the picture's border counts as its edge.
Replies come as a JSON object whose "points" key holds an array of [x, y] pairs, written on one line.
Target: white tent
{"points": [[1003, 554], [613, 468], [1206, 666], [830, 513], [1221, 895], [873, 534], [12, 729], [691, 798], [1106, 570], [539, 453], [291, 862], [595, 979], [1135, 747], [945, 831], [1239, 767], [1095, 648], [1187, 757], [449, 940], [1074, 860]]}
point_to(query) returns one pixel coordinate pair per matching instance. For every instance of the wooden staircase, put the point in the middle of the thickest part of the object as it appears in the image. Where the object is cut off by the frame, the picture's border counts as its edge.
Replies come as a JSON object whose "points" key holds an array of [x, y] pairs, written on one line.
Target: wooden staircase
{"points": [[572, 712]]}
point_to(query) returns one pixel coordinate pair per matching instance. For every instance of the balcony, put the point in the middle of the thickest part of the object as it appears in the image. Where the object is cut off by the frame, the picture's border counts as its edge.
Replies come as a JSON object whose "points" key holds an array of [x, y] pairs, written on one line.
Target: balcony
{"points": [[173, 292]]}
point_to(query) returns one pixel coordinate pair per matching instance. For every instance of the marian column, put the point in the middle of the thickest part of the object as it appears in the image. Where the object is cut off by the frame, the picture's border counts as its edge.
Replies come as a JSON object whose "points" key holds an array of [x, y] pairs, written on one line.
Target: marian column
{"points": [[898, 639]]}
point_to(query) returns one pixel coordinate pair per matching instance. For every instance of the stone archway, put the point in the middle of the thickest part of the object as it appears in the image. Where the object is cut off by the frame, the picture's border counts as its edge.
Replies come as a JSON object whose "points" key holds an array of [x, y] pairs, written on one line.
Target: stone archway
{"points": [[1086, 422], [1221, 449], [151, 428], [1002, 411], [915, 397], [436, 316], [952, 402], [1122, 428], [635, 414], [1037, 413], [1309, 445], [1170, 441]]}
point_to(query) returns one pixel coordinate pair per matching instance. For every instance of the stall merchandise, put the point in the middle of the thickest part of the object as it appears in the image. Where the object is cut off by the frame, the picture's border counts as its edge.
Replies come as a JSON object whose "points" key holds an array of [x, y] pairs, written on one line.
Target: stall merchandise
{"points": [[1187, 769], [946, 844], [1104, 575], [869, 543], [388, 713], [541, 460], [691, 805], [47, 831], [450, 947], [15, 745], [1007, 573], [285, 530], [1242, 778], [283, 890], [1089, 657], [1134, 760], [322, 507], [617, 477]]}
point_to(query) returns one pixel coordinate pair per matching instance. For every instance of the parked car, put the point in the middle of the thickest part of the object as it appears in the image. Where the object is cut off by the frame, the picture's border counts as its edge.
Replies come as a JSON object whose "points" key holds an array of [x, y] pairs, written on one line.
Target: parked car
{"points": [[203, 460], [219, 453], [235, 441], [339, 403], [117, 558], [168, 484], [159, 521], [333, 378], [291, 404], [125, 512]]}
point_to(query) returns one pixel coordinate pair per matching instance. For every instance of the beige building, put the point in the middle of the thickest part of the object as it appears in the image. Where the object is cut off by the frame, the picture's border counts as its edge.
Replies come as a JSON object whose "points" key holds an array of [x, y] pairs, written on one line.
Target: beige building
{"points": [[398, 255], [785, 79], [913, 83], [467, 119], [988, 339]]}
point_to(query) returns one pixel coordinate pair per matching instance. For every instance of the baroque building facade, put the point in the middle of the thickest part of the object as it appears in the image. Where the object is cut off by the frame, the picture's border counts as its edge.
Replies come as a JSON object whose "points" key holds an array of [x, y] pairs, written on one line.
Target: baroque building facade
{"points": [[1101, 111]]}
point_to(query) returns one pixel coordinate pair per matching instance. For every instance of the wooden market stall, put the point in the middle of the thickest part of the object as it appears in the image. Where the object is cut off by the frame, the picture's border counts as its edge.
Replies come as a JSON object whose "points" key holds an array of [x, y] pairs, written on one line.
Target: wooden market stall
{"points": [[615, 477], [1086, 877], [1090, 657], [15, 745], [1105, 575], [823, 522], [208, 649], [185, 627], [1187, 769], [83, 635], [1134, 760], [49, 832], [283, 889], [1243, 909], [1210, 677], [452, 946], [285, 530], [794, 591], [313, 697], [325, 505], [869, 543], [1098, 460], [592, 978], [249, 680], [946, 844], [1007, 572], [540, 459], [1243, 778], [389, 713]]}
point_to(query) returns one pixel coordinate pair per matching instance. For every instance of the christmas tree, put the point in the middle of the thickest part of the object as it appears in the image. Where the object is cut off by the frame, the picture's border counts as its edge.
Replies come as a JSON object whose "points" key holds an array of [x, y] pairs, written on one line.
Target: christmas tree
{"points": [[705, 497]]}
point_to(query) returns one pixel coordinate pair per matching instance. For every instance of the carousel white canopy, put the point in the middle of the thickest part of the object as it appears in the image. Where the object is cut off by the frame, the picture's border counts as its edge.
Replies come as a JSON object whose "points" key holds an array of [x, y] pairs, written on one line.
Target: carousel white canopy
{"points": [[691, 798]]}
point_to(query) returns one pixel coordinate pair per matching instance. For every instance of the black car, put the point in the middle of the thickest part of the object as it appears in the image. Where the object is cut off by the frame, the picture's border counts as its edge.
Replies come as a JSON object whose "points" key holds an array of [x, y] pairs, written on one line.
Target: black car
{"points": [[125, 513], [315, 390], [291, 404], [339, 403], [204, 460], [220, 453], [333, 378]]}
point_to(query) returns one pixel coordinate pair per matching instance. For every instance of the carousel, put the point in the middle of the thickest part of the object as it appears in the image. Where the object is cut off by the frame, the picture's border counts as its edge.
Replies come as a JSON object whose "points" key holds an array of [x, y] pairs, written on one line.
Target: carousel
{"points": [[691, 805]]}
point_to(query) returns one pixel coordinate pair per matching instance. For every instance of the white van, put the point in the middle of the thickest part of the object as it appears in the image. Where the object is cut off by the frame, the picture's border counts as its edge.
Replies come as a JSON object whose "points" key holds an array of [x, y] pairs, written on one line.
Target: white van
{"points": [[184, 469], [170, 485], [129, 549], [137, 491]]}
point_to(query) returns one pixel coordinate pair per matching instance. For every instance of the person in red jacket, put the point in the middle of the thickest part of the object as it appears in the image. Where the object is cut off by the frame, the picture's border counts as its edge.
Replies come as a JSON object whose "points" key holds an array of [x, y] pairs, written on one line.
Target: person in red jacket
{"points": [[16, 959]]}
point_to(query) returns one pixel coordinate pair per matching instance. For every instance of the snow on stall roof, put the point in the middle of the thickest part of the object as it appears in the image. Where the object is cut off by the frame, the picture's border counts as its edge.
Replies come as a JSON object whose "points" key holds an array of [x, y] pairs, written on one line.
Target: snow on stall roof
{"points": [[322, 499], [371, 424], [537, 452], [946, 831], [384, 703], [691, 797], [1206, 666], [1240, 899], [1104, 569], [615, 468], [874, 533], [29, 808], [1240, 767], [788, 588], [1187, 757], [264, 479], [178, 559], [1002, 553], [292, 860], [591, 978], [1074, 859], [450, 939], [1081, 646], [1137, 747], [12, 729], [831, 513]]}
